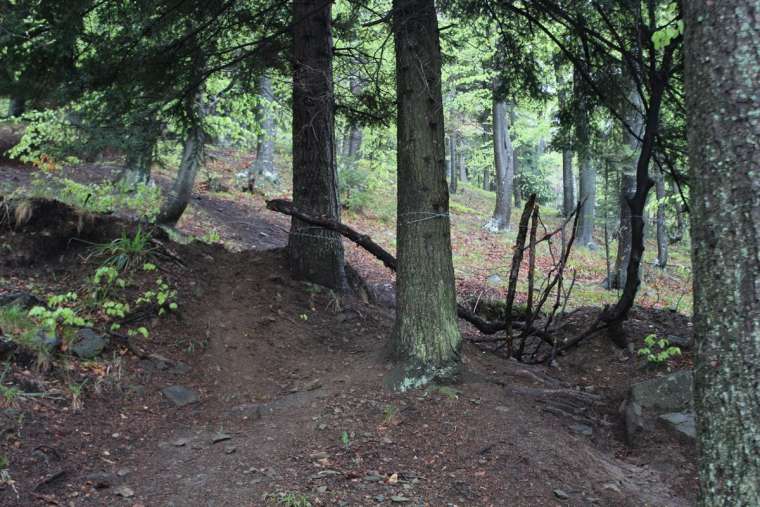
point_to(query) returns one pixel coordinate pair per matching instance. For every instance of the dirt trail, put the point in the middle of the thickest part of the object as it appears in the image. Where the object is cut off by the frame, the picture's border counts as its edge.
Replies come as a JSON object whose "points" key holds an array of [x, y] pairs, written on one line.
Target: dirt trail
{"points": [[287, 371]]}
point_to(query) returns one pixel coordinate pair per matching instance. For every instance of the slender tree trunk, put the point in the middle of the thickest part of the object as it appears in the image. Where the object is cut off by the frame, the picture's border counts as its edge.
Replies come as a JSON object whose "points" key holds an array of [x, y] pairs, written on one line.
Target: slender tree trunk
{"points": [[453, 162], [503, 161], [315, 254], [722, 62], [662, 230], [487, 179], [16, 107], [138, 163], [587, 180], [568, 188], [192, 159], [264, 164], [426, 335], [355, 131]]}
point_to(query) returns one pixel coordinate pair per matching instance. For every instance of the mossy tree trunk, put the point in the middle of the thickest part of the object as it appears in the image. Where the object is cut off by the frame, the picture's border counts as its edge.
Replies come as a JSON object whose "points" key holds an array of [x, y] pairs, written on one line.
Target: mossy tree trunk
{"points": [[722, 68], [315, 254], [426, 336]]}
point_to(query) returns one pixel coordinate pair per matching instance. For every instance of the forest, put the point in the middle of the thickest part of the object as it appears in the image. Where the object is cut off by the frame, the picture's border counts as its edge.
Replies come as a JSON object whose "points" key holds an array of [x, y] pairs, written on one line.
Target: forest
{"points": [[380, 252]]}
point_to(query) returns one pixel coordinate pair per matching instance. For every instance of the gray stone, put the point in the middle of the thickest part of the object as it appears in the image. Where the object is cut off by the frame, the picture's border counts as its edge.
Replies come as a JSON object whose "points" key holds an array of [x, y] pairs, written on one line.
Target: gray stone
{"points": [[561, 494], [180, 395], [23, 300], [682, 422], [47, 339], [583, 429], [124, 492], [88, 343], [673, 393], [100, 480]]}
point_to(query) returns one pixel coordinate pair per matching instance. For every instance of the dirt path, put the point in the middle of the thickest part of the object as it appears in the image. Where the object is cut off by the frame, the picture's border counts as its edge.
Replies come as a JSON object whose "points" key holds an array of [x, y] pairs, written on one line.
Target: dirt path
{"points": [[291, 386]]}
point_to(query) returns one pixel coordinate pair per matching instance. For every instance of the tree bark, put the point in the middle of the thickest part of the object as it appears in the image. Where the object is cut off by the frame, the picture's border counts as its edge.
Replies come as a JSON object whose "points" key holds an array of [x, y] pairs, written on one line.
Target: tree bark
{"points": [[722, 65], [315, 255], [192, 158], [426, 337], [503, 161], [568, 188], [662, 230], [264, 164], [516, 191], [16, 107]]}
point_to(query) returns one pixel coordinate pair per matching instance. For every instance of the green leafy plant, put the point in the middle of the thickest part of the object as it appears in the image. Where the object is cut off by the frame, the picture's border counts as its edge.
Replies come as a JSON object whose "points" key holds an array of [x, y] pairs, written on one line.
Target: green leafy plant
{"points": [[658, 351], [127, 250], [293, 499]]}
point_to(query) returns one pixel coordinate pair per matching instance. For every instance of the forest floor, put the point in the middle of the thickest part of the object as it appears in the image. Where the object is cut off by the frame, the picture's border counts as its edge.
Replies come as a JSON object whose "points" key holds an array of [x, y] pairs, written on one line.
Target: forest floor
{"points": [[291, 406]]}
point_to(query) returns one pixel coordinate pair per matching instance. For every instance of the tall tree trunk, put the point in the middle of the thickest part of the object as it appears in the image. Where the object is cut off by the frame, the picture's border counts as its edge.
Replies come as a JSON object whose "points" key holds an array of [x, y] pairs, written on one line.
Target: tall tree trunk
{"points": [[138, 163], [354, 131], [426, 336], [568, 188], [516, 178], [587, 180], [315, 255], [635, 122], [487, 179], [721, 68], [503, 161], [453, 162], [662, 230], [192, 158], [264, 164], [16, 107]]}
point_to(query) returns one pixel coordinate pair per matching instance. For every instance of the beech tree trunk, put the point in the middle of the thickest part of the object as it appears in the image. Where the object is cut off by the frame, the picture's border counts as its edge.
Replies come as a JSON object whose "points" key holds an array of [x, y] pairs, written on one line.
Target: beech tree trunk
{"points": [[264, 166], [315, 254], [426, 336], [722, 70], [503, 161], [662, 230]]}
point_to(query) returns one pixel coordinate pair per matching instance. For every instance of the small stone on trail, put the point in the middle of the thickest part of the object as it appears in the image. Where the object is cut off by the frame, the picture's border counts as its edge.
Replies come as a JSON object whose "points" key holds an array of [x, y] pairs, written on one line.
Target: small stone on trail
{"points": [[501, 408], [181, 442], [220, 437], [583, 429], [561, 494], [318, 455], [322, 489], [124, 492], [399, 499], [180, 395], [230, 450]]}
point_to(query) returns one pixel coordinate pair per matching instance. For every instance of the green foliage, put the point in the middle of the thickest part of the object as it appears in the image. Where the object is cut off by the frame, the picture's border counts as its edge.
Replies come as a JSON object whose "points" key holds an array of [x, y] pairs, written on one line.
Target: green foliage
{"points": [[57, 314], [127, 250], [45, 139], [293, 499], [658, 351]]}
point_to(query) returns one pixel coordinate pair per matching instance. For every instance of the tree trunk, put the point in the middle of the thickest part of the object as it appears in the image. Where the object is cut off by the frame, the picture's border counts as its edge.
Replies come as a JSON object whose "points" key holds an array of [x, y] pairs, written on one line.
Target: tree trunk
{"points": [[721, 76], [487, 179], [355, 131], [568, 188], [138, 163], [315, 254], [453, 162], [192, 158], [426, 337], [503, 161], [16, 107], [264, 164], [662, 231], [587, 180]]}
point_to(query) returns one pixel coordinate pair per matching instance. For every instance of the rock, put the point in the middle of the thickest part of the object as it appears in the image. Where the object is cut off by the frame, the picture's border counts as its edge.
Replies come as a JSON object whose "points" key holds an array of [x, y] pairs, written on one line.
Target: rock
{"points": [[561, 494], [180, 395], [220, 437], [181, 442], [583, 429], [679, 341], [501, 408], [673, 393], [399, 499], [23, 300], [230, 449], [124, 492], [100, 480], [88, 344], [47, 339], [682, 422], [180, 369]]}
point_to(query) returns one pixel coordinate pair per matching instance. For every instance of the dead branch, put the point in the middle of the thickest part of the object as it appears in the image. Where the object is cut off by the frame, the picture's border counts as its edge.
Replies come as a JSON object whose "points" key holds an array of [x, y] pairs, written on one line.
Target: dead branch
{"points": [[514, 273]]}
